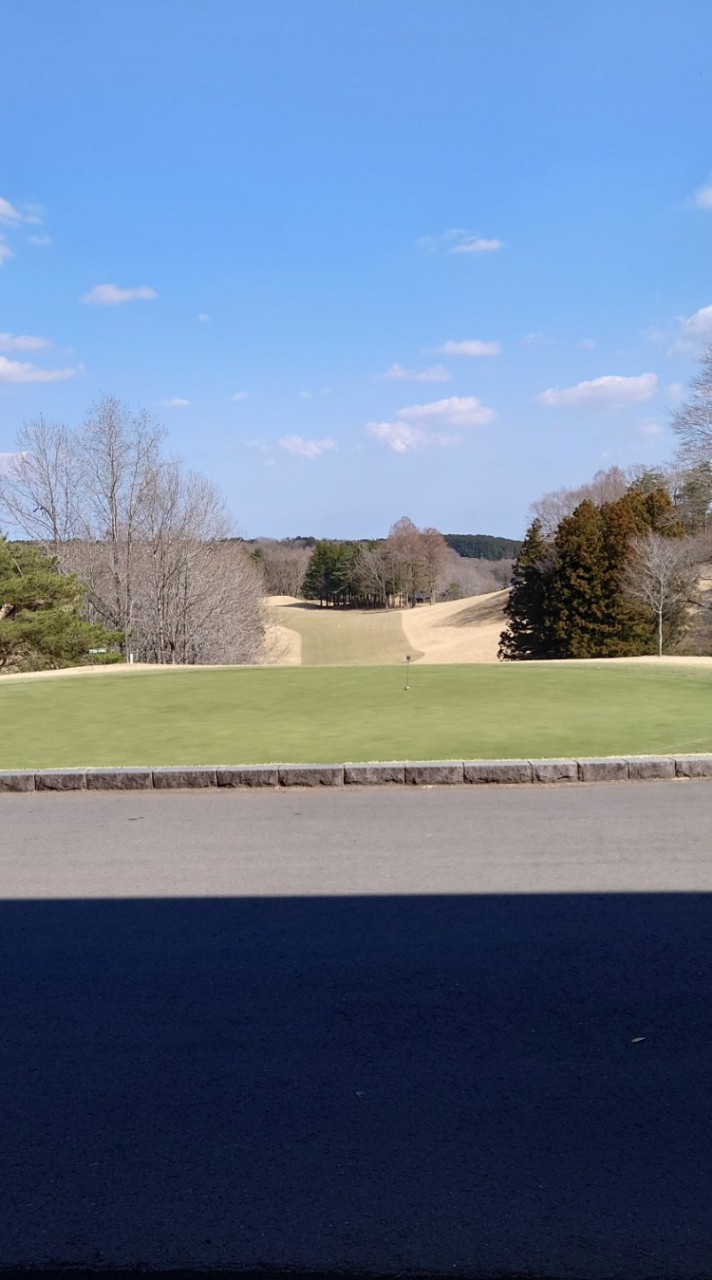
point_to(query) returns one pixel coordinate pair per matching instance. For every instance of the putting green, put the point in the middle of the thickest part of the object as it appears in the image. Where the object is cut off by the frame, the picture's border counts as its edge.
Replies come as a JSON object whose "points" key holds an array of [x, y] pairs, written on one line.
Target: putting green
{"points": [[253, 715]]}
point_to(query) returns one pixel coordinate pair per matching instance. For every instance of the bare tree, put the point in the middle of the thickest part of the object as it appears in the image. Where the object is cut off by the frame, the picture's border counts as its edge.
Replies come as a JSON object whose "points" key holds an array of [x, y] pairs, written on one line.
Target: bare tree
{"points": [[692, 422], [38, 492], [434, 551], [660, 575], [551, 508]]}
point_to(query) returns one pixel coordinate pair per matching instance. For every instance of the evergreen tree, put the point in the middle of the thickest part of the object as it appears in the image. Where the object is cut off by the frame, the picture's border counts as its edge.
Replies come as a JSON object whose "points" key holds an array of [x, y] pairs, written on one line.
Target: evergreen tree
{"points": [[40, 626], [528, 634]]}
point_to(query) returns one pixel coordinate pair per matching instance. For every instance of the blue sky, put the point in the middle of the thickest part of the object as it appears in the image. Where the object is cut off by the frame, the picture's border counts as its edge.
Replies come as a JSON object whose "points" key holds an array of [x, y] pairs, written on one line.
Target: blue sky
{"points": [[363, 258]]}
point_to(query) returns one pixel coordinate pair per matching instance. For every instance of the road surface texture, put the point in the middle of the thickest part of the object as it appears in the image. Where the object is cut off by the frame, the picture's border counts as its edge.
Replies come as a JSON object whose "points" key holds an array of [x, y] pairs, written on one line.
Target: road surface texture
{"points": [[453, 1031]]}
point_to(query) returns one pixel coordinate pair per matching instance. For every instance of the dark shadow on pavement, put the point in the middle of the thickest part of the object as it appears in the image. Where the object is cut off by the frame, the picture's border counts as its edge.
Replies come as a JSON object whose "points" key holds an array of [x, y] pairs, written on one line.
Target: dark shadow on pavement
{"points": [[479, 1085]]}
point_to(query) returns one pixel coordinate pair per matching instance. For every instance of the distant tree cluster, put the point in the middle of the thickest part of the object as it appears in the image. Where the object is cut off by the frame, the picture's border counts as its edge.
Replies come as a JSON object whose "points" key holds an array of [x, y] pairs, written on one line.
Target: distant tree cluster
{"points": [[147, 540], [482, 546], [396, 571], [612, 581]]}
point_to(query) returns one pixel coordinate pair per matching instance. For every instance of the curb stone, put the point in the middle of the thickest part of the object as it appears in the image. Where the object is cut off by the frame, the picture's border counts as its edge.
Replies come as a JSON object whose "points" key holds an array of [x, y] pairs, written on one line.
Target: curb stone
{"points": [[596, 770], [484, 771], [119, 779], [419, 773], [554, 770], [693, 766], [311, 775], [428, 773]]}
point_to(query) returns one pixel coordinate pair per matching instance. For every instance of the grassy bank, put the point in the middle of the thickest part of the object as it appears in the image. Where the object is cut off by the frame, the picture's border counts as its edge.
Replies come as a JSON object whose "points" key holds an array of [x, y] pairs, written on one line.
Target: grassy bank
{"points": [[235, 716]]}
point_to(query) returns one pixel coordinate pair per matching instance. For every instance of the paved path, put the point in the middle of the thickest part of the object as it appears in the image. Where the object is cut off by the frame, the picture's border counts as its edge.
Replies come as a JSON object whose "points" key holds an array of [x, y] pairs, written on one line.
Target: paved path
{"points": [[462, 1031]]}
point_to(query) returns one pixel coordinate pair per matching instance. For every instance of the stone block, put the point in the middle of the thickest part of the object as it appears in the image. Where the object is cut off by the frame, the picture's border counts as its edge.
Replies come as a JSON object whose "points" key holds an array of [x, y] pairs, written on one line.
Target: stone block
{"points": [[434, 773], [595, 769], [61, 780], [554, 770], [248, 776], [20, 780], [374, 775], [311, 775], [119, 779], [498, 771], [693, 766], [642, 768], [183, 779]]}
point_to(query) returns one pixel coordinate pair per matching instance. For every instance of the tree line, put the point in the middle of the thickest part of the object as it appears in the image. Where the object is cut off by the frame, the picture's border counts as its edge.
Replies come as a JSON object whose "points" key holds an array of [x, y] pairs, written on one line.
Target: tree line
{"points": [[610, 569], [393, 572], [143, 543]]}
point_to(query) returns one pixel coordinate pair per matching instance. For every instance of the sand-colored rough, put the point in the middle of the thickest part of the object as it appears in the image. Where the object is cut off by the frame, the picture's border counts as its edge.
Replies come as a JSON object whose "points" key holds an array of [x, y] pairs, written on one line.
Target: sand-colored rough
{"points": [[458, 630]]}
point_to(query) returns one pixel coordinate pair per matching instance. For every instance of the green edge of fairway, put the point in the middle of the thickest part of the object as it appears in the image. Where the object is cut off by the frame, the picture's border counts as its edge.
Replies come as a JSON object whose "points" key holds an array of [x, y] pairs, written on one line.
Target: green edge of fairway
{"points": [[257, 715]]}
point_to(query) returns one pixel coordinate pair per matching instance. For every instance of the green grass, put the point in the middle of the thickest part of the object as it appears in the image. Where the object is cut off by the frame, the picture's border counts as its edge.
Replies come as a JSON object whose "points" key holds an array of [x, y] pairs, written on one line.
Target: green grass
{"points": [[252, 715], [336, 637]]}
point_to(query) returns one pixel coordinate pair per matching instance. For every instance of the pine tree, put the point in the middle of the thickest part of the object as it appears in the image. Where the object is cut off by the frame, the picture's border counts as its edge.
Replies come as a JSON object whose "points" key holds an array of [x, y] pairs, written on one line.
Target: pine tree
{"points": [[528, 634], [40, 625]]}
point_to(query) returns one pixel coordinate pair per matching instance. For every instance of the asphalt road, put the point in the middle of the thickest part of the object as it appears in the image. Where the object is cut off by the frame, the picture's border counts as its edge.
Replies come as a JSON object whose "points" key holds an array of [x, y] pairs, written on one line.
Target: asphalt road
{"points": [[453, 1031]]}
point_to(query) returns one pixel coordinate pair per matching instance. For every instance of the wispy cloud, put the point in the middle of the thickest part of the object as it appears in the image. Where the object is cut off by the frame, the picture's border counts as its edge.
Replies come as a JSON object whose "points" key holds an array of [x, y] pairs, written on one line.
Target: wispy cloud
{"points": [[419, 425], [702, 198], [469, 347], [588, 344], [6, 461], [609, 392], [203, 318], [655, 335], [5, 251], [18, 371], [310, 449], [40, 242], [177, 402], [695, 330], [649, 429], [397, 373], [478, 245], [239, 396], [459, 240], [22, 342], [111, 295], [675, 393], [534, 340], [12, 216]]}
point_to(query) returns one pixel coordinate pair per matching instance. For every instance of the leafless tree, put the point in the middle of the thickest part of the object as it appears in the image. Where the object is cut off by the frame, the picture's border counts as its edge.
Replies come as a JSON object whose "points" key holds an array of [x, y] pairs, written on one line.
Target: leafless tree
{"points": [[434, 550], [692, 422], [283, 567], [551, 508], [660, 575], [38, 492], [372, 574], [149, 541]]}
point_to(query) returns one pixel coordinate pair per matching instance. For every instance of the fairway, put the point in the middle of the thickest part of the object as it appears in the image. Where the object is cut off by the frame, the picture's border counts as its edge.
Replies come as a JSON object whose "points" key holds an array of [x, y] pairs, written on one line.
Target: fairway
{"points": [[336, 714], [346, 637]]}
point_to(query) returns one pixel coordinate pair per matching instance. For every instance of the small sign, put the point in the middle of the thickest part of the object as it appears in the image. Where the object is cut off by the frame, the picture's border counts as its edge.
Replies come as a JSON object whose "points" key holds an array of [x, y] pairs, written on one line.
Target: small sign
{"points": [[97, 650]]}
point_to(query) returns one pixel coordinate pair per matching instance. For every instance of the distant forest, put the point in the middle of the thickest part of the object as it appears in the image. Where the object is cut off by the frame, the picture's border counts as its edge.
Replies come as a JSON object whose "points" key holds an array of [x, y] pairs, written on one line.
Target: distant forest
{"points": [[482, 546], [472, 546]]}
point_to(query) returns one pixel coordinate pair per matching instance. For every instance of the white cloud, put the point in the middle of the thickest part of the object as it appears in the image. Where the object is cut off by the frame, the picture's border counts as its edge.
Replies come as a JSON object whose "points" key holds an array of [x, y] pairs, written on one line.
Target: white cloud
{"points": [[588, 344], [176, 403], [478, 246], [459, 240], [110, 295], [469, 347], [533, 340], [675, 393], [17, 371], [608, 392], [5, 251], [694, 330], [239, 396], [456, 411], [306, 448], [703, 197], [650, 429], [6, 461], [203, 318], [40, 241], [397, 373], [414, 426], [13, 217], [22, 342], [306, 395], [655, 335]]}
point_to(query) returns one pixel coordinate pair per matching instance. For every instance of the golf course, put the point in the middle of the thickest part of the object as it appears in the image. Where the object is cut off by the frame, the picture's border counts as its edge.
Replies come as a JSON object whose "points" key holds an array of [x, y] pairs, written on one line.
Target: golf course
{"points": [[245, 715]]}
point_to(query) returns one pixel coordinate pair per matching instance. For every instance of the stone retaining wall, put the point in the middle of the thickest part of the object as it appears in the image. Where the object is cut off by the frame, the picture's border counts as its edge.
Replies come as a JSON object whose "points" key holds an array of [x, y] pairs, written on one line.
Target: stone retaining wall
{"points": [[424, 773]]}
